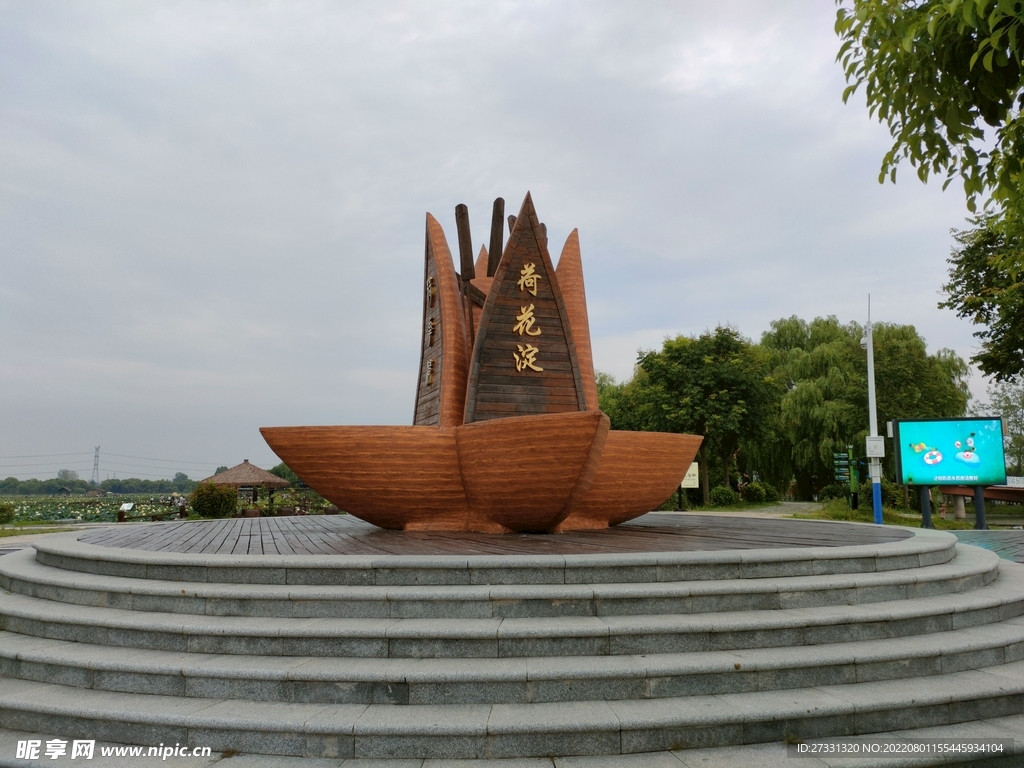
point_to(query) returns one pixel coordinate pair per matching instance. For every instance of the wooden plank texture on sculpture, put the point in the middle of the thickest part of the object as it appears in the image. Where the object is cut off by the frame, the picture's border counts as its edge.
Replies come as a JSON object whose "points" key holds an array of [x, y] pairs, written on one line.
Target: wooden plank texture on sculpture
{"points": [[393, 477], [636, 473], [521, 473]]}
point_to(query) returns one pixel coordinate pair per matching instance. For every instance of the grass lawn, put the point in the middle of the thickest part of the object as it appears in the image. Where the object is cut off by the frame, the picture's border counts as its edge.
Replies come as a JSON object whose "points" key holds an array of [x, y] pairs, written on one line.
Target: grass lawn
{"points": [[836, 509], [24, 530], [35, 523], [742, 506]]}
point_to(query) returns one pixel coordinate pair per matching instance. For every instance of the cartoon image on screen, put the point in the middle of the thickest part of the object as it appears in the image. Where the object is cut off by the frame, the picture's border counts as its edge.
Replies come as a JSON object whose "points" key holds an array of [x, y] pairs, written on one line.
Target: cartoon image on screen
{"points": [[967, 455]]}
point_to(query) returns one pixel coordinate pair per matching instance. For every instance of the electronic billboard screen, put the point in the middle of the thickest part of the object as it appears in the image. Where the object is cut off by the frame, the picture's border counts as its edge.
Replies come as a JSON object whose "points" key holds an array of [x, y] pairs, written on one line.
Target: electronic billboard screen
{"points": [[966, 451]]}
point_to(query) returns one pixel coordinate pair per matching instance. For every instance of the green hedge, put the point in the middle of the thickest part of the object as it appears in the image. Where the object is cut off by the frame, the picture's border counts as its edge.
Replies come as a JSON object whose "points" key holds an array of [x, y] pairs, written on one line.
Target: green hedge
{"points": [[723, 497]]}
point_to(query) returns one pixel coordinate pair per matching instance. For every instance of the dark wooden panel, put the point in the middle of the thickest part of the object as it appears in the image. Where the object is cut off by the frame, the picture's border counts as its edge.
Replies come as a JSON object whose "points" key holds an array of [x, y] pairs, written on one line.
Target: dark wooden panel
{"points": [[441, 387], [524, 342], [497, 235]]}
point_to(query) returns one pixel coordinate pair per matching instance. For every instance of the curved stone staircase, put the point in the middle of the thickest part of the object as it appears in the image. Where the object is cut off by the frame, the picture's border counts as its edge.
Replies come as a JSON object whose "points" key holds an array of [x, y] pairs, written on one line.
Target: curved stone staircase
{"points": [[506, 656]]}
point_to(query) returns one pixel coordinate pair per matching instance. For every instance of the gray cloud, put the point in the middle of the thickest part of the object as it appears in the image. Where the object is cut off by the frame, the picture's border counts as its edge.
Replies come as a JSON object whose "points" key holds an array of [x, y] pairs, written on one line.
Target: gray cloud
{"points": [[211, 214]]}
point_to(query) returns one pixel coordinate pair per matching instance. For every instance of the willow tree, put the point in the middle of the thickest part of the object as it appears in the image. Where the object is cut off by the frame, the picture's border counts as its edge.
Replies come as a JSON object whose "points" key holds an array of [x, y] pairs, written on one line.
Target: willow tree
{"points": [[824, 368]]}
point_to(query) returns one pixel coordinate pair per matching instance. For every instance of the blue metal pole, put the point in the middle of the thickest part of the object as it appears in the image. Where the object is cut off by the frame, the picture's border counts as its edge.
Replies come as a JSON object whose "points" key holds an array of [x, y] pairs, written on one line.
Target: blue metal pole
{"points": [[876, 466]]}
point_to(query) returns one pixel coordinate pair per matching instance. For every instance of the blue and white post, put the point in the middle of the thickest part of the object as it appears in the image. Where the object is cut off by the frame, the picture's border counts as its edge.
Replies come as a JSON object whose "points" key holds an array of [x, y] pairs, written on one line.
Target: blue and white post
{"points": [[874, 442]]}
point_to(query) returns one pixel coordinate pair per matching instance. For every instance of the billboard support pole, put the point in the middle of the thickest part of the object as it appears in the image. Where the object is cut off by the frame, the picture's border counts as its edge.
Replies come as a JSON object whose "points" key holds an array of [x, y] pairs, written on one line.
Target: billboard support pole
{"points": [[926, 506], [980, 524], [876, 466]]}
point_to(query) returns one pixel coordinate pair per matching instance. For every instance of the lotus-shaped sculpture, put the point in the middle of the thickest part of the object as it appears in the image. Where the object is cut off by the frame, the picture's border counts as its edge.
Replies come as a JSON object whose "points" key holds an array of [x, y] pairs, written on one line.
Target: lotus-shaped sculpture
{"points": [[507, 434]]}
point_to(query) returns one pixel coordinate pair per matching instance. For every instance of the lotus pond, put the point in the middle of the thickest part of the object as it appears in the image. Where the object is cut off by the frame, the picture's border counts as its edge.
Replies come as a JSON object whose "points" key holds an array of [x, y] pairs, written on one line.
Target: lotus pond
{"points": [[37, 509]]}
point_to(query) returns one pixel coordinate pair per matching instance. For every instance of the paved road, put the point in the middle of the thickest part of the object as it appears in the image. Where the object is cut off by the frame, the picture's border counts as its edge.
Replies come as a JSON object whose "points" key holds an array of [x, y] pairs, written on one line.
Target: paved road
{"points": [[1007, 544]]}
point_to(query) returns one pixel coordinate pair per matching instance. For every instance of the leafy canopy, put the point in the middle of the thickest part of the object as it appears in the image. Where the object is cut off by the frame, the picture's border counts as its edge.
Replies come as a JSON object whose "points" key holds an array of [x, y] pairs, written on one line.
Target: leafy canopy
{"points": [[939, 73], [936, 72], [1007, 400], [982, 288], [718, 385]]}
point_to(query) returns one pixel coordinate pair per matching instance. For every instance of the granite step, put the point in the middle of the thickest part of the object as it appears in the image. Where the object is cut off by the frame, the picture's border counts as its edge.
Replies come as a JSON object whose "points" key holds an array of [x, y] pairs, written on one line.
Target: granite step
{"points": [[22, 574], [923, 548], [515, 637], [1005, 735], [517, 680], [514, 730]]}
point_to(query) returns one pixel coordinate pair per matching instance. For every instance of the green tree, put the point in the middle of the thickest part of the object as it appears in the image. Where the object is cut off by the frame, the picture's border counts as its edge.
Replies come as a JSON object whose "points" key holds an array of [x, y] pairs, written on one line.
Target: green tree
{"points": [[936, 72], [1007, 400], [623, 403], [182, 483], [825, 404], [910, 383], [985, 287], [717, 385], [824, 368], [285, 472]]}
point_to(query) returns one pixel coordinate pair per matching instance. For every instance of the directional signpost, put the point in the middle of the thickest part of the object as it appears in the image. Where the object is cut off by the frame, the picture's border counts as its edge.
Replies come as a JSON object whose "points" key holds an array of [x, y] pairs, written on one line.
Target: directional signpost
{"points": [[844, 473]]}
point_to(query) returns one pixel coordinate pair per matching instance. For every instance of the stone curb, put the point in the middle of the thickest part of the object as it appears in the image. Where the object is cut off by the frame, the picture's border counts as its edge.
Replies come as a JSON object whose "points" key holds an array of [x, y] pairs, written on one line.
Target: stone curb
{"points": [[922, 548], [620, 727], [20, 573]]}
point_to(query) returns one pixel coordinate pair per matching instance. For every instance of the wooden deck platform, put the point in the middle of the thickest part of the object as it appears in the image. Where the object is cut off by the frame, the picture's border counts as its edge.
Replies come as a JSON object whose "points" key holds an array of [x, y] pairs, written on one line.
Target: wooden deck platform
{"points": [[345, 535]]}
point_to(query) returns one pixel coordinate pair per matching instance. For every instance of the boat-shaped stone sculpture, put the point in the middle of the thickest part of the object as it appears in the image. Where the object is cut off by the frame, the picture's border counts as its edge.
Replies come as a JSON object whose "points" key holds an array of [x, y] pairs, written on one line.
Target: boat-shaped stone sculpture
{"points": [[507, 433]]}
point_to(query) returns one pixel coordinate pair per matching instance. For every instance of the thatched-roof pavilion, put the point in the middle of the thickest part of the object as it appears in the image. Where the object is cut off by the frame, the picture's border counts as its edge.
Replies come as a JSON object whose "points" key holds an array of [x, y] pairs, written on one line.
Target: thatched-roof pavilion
{"points": [[246, 475]]}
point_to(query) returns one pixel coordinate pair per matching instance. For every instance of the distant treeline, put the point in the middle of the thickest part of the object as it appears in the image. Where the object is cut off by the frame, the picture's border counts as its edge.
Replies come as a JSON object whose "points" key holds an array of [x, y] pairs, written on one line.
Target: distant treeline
{"points": [[12, 486]]}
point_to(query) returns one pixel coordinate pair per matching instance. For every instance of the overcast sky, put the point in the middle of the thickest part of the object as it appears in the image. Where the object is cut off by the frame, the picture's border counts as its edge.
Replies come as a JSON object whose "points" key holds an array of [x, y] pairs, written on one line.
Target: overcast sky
{"points": [[212, 213]]}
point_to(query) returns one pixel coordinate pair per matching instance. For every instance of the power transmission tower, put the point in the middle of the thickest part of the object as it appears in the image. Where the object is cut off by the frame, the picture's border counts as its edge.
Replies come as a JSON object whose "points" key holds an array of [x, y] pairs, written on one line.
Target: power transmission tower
{"points": [[96, 467]]}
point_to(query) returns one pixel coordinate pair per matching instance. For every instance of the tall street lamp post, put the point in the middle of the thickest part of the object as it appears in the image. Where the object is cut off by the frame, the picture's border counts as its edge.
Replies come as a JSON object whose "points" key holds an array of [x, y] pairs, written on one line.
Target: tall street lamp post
{"points": [[875, 445]]}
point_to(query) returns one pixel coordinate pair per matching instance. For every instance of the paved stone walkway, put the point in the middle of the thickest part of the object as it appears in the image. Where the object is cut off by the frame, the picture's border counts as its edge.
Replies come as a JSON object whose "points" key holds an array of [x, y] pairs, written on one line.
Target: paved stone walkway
{"points": [[1009, 545]]}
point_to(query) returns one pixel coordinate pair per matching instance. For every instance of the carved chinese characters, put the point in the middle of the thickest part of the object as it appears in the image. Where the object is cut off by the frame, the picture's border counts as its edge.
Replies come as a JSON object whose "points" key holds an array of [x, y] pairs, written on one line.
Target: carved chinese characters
{"points": [[524, 361], [528, 279]]}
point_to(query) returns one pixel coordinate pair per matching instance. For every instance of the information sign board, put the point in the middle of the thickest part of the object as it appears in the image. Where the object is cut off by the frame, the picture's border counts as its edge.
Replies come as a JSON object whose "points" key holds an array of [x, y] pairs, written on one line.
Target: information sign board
{"points": [[692, 477], [841, 467], [965, 451]]}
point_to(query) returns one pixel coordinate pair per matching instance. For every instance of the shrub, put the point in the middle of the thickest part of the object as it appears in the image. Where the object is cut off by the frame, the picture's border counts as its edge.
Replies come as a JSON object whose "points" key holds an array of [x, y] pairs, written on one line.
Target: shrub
{"points": [[892, 494], [754, 492], [6, 513], [723, 497], [209, 500], [771, 493], [833, 491]]}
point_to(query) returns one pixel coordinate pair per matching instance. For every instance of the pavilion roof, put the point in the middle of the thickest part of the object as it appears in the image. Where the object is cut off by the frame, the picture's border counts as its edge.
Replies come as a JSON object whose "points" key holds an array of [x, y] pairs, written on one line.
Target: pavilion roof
{"points": [[246, 475]]}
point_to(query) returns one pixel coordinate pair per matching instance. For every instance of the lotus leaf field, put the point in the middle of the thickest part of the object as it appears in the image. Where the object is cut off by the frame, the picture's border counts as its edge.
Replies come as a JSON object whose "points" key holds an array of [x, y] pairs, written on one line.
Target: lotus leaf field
{"points": [[31, 509], [86, 509]]}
